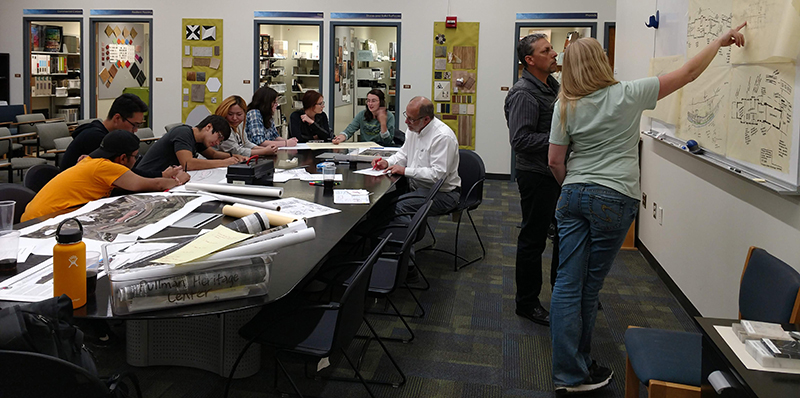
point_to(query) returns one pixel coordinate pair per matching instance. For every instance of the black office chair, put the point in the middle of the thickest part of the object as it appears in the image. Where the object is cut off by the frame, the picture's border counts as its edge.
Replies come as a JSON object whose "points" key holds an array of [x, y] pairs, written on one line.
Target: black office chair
{"points": [[391, 271], [38, 176], [669, 362], [399, 137], [19, 194], [473, 173], [30, 374], [314, 330]]}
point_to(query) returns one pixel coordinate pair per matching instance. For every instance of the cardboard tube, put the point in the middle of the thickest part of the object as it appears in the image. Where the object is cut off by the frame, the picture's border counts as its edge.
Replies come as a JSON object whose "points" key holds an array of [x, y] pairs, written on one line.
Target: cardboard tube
{"points": [[274, 192], [275, 218]]}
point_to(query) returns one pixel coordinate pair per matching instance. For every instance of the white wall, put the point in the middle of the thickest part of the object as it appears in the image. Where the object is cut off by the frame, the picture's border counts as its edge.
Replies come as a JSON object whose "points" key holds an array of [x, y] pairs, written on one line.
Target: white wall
{"points": [[495, 52], [711, 217]]}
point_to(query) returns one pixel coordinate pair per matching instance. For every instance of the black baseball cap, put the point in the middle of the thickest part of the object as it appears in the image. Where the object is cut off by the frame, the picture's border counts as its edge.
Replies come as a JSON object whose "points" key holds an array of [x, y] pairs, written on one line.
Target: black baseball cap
{"points": [[117, 142]]}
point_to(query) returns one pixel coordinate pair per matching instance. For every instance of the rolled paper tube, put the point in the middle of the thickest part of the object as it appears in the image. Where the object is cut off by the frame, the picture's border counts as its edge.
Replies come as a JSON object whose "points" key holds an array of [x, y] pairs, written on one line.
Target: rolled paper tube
{"points": [[266, 245], [275, 218], [273, 192], [232, 199]]}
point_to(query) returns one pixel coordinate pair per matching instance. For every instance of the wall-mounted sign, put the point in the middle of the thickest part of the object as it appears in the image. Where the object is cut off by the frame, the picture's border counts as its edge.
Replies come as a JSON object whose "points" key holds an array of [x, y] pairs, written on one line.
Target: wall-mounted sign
{"points": [[365, 15], [285, 14], [556, 15], [53, 11], [121, 12]]}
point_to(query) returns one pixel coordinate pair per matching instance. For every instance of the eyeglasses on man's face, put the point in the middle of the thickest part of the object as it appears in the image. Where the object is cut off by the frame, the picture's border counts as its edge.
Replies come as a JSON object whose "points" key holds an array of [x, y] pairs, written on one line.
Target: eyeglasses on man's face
{"points": [[405, 115], [135, 125]]}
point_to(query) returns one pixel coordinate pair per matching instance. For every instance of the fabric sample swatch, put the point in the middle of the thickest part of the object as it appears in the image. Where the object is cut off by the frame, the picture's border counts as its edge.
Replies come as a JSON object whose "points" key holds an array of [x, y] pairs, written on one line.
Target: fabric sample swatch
{"points": [[187, 50], [449, 117], [127, 64], [186, 91], [465, 81], [113, 70], [185, 104], [440, 51], [134, 71], [108, 31], [104, 75], [186, 62], [139, 58], [186, 97], [216, 51], [134, 33], [202, 51], [108, 83], [191, 76], [210, 33], [201, 76], [202, 61], [198, 92], [192, 32], [439, 64], [214, 64], [117, 31], [437, 75], [141, 78], [467, 56], [125, 32]]}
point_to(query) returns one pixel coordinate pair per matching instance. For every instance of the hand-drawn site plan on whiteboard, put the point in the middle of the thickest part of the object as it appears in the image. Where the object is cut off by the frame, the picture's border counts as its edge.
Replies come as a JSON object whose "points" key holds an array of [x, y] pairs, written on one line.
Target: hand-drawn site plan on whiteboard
{"points": [[759, 128], [708, 19], [704, 109], [741, 107]]}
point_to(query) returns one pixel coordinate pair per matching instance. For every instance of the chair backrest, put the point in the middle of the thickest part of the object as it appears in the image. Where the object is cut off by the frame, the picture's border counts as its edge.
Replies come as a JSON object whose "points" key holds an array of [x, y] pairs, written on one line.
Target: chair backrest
{"points": [[63, 142], [28, 128], [48, 132], [354, 298], [144, 132], [769, 289], [38, 176], [399, 137], [473, 173], [19, 194], [8, 113], [5, 145], [417, 223], [84, 121], [171, 126], [30, 374]]}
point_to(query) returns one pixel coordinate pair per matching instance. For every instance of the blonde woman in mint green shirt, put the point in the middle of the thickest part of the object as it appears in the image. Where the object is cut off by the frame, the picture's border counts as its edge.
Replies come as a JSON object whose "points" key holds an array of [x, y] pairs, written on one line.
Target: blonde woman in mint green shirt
{"points": [[599, 118]]}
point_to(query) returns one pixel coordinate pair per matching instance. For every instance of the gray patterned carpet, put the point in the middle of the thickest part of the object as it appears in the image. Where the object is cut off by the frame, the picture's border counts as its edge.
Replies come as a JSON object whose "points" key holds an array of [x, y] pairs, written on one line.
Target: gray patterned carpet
{"points": [[470, 343]]}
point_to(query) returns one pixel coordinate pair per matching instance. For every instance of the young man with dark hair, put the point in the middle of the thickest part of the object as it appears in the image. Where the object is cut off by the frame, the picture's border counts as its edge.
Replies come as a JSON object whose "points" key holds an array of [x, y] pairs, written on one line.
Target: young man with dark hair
{"points": [[126, 113], [106, 168], [180, 146]]}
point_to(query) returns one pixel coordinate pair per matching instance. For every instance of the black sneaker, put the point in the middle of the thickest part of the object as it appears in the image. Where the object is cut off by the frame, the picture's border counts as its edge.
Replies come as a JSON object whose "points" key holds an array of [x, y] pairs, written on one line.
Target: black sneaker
{"points": [[599, 376]]}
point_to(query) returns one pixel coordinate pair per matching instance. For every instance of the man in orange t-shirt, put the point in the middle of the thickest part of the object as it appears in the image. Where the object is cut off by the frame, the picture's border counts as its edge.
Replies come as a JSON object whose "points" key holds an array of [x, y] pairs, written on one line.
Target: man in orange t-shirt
{"points": [[94, 177]]}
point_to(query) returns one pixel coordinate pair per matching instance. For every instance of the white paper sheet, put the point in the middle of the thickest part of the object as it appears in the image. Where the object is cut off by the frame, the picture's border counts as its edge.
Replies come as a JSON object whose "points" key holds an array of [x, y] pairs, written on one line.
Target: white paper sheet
{"points": [[372, 172], [351, 196], [33, 285], [303, 208]]}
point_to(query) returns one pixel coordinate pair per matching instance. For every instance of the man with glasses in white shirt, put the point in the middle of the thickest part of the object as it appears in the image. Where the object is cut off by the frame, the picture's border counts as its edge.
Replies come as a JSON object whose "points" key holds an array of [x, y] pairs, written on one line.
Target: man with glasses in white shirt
{"points": [[428, 155]]}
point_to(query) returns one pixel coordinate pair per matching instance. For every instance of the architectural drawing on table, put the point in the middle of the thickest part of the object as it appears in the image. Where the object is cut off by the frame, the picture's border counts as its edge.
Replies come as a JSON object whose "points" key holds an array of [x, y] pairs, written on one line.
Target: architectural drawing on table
{"points": [[772, 31], [760, 126], [122, 216], [707, 21]]}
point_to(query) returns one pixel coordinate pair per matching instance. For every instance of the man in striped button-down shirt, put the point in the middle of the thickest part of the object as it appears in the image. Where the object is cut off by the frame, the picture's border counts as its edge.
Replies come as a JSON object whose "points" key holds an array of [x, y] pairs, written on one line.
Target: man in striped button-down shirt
{"points": [[529, 111]]}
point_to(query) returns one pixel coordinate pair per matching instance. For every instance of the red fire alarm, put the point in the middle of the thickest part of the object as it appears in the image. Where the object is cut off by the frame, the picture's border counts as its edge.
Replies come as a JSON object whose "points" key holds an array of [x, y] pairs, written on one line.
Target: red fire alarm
{"points": [[450, 22]]}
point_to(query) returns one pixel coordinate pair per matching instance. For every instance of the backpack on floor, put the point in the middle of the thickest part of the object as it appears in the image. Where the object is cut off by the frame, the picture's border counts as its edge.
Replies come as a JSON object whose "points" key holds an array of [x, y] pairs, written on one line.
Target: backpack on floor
{"points": [[45, 328]]}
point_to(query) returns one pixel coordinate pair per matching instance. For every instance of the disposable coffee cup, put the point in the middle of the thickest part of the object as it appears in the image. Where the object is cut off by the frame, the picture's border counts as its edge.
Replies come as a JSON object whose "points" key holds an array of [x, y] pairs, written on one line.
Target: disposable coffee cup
{"points": [[92, 267], [9, 243], [7, 215]]}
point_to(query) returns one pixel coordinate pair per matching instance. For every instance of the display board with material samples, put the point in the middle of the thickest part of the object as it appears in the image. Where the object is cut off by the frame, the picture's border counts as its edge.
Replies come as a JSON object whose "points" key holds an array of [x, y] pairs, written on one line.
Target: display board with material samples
{"points": [[201, 68]]}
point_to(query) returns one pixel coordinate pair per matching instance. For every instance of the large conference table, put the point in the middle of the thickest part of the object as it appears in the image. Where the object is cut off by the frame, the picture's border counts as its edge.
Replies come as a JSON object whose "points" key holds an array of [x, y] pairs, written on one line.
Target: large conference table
{"points": [[292, 266]]}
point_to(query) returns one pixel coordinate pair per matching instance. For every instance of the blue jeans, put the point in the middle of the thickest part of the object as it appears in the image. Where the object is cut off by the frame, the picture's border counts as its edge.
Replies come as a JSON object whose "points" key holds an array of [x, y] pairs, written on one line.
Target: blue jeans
{"points": [[592, 223]]}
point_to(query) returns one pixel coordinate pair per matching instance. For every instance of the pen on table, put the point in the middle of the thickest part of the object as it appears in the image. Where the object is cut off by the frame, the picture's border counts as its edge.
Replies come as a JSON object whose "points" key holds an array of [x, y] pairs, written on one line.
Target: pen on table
{"points": [[320, 183], [376, 164]]}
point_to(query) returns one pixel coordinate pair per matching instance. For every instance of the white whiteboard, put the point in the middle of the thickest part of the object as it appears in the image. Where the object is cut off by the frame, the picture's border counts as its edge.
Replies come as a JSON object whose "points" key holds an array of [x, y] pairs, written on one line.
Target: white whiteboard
{"points": [[776, 160]]}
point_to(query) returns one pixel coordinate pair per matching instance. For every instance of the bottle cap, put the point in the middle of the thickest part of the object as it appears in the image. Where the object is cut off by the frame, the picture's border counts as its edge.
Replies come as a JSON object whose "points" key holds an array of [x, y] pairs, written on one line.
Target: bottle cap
{"points": [[69, 235]]}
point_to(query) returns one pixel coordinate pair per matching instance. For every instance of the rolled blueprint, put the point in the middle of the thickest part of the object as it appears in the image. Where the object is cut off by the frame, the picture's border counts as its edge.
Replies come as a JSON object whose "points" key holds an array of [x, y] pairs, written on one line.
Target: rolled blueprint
{"points": [[275, 218], [272, 233], [265, 246], [273, 192], [195, 282]]}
